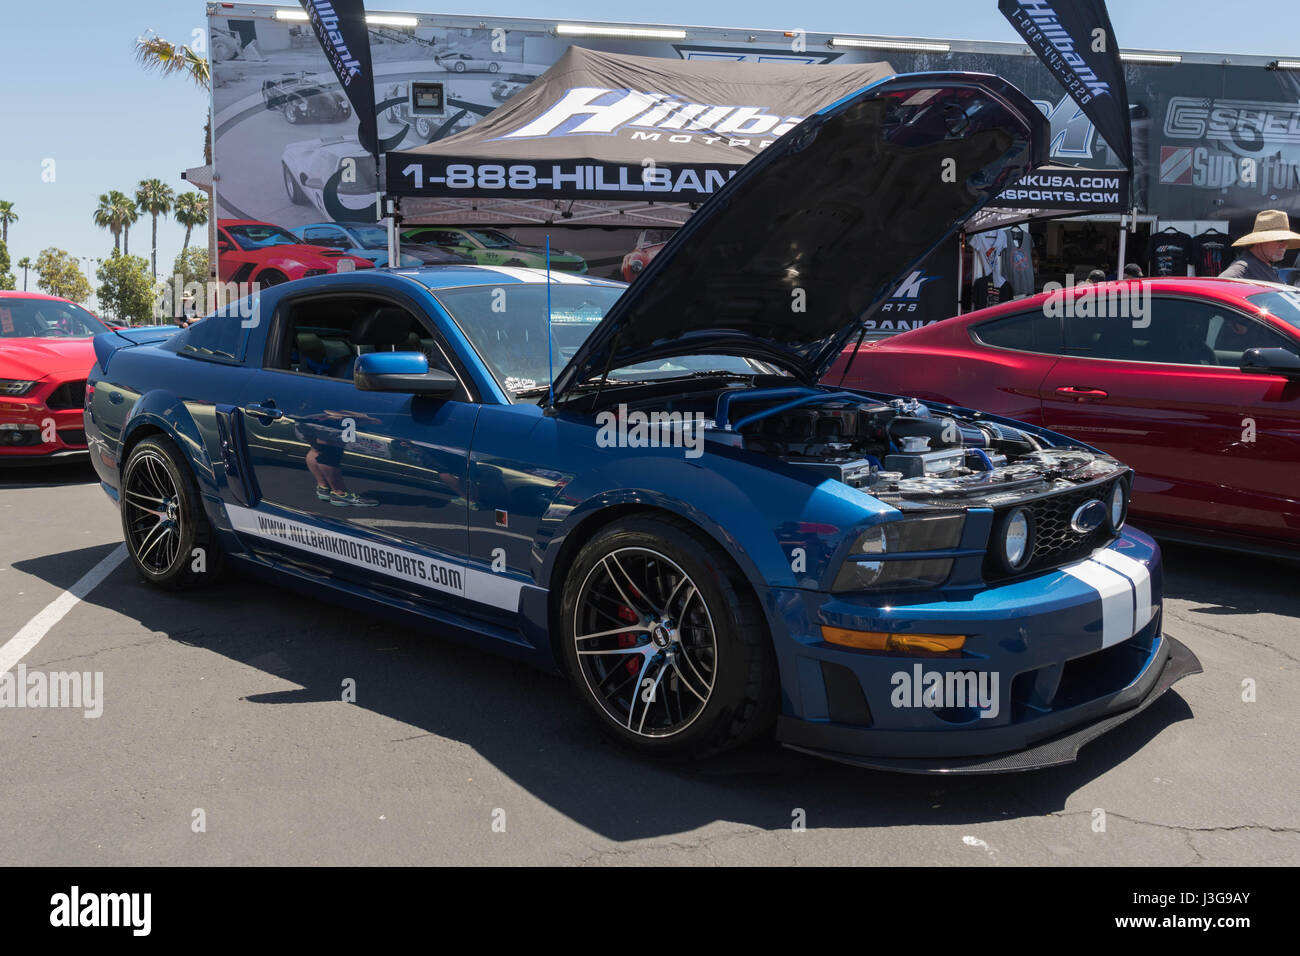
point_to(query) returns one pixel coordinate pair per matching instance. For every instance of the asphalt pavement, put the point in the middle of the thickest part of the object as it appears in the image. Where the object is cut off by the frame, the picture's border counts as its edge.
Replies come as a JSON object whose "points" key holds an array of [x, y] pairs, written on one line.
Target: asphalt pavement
{"points": [[224, 739]]}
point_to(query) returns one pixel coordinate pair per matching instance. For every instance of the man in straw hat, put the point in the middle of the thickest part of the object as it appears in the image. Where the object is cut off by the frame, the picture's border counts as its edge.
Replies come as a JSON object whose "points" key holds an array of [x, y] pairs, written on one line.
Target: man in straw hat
{"points": [[1266, 244]]}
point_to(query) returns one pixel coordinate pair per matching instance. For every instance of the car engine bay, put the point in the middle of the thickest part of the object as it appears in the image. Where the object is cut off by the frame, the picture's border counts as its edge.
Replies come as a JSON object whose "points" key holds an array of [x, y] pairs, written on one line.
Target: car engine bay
{"points": [[895, 449]]}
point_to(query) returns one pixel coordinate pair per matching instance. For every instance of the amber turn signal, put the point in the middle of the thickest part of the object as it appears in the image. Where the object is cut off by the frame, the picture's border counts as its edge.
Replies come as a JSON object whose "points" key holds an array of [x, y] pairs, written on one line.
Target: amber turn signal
{"points": [[902, 643]]}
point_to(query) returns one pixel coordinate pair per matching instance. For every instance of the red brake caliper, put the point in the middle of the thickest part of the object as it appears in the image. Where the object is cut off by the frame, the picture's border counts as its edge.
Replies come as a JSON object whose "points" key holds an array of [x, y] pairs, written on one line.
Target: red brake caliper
{"points": [[629, 639]]}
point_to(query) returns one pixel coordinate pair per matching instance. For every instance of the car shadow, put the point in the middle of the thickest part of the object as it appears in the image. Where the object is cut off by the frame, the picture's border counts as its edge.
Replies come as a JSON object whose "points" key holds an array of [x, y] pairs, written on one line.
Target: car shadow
{"points": [[532, 728], [1223, 583], [47, 476]]}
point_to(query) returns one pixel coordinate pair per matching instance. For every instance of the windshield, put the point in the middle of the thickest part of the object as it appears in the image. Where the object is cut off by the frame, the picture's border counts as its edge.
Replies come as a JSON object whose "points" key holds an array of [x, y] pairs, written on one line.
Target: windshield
{"points": [[46, 318], [370, 237], [258, 236], [507, 326], [1284, 305], [491, 238]]}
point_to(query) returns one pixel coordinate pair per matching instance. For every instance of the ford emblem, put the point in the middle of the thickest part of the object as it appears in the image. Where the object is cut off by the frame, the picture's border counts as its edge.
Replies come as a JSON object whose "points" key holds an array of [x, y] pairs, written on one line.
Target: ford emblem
{"points": [[1088, 517]]}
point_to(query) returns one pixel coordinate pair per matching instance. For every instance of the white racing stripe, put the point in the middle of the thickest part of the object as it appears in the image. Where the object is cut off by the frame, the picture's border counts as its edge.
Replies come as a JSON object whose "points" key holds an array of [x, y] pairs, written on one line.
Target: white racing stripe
{"points": [[1116, 593], [21, 644], [1137, 573], [538, 275]]}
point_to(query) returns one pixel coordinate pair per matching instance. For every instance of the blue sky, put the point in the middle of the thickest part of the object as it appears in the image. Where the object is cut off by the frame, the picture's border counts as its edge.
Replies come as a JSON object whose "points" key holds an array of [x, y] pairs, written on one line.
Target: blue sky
{"points": [[71, 92]]}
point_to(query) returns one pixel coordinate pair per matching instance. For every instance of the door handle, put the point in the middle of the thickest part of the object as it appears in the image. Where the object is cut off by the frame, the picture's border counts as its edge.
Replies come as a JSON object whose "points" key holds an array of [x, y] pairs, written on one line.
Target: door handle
{"points": [[1081, 393], [266, 410]]}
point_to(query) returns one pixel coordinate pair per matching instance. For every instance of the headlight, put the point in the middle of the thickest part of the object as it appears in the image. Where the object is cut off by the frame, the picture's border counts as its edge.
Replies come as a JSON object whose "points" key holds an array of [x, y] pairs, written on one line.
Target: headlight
{"points": [[14, 386], [909, 539], [1118, 506], [1013, 542]]}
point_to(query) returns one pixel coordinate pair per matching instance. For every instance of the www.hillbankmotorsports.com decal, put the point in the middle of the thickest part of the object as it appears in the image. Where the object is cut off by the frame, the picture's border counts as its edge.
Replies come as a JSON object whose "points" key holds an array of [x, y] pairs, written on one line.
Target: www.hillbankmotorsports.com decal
{"points": [[497, 590]]}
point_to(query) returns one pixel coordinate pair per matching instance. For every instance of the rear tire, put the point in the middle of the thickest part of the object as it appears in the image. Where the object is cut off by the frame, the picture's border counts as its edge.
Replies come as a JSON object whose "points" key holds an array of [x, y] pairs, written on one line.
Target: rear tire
{"points": [[167, 532], [695, 673]]}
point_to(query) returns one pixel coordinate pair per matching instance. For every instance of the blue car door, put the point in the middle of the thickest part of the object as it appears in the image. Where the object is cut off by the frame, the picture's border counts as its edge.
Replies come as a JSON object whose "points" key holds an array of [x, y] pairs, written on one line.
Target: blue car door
{"points": [[365, 487]]}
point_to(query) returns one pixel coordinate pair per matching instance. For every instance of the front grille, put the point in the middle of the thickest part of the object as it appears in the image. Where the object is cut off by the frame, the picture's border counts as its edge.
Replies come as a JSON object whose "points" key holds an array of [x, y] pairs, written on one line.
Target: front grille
{"points": [[68, 395], [1055, 542], [73, 436], [568, 266]]}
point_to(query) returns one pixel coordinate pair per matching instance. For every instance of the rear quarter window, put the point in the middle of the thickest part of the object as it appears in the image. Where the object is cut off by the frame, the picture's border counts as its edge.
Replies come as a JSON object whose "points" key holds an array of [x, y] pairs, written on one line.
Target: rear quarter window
{"points": [[1024, 332], [219, 337]]}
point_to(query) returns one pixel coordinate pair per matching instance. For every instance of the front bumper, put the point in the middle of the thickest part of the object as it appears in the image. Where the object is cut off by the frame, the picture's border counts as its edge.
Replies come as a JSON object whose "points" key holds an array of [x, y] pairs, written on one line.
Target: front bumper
{"points": [[27, 421], [1058, 659], [1009, 749]]}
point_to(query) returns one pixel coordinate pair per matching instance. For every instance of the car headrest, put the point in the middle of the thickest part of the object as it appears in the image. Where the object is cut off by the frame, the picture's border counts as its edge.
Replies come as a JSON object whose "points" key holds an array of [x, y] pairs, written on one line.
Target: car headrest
{"points": [[310, 346], [384, 326]]}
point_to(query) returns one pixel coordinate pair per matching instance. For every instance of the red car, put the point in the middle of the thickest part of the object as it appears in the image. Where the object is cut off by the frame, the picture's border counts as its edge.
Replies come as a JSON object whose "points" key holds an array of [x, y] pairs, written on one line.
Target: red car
{"points": [[251, 251], [1200, 393], [648, 244], [45, 353]]}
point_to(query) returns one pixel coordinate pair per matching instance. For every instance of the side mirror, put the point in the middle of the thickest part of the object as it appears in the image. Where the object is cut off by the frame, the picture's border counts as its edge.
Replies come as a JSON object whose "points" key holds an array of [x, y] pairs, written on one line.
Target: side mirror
{"points": [[401, 372], [223, 246], [1272, 361]]}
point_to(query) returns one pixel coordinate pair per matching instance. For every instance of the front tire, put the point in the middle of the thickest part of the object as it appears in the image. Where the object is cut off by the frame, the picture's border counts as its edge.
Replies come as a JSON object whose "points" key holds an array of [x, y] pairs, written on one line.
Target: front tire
{"points": [[167, 532], [666, 643]]}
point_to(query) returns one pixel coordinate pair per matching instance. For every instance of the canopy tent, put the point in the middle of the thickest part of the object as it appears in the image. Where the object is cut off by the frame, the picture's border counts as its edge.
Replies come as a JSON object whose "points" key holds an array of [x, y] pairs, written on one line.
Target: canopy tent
{"points": [[613, 139]]}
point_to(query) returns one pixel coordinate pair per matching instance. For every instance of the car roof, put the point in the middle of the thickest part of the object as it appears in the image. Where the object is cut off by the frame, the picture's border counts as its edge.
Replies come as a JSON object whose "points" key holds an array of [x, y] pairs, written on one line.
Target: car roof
{"points": [[455, 276], [1213, 287], [16, 294]]}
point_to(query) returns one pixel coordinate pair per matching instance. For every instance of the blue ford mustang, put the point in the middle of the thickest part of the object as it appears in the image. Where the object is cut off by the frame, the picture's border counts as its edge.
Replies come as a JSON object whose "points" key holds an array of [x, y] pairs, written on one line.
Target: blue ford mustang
{"points": [[708, 543]]}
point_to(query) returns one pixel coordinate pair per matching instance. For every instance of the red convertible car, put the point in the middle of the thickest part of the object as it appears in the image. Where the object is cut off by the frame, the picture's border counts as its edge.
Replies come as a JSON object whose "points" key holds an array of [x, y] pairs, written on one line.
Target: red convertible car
{"points": [[1200, 393], [45, 353], [251, 251]]}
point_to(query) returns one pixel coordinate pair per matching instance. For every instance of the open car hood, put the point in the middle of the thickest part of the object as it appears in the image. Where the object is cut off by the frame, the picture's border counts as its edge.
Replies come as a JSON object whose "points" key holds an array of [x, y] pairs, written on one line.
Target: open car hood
{"points": [[784, 262]]}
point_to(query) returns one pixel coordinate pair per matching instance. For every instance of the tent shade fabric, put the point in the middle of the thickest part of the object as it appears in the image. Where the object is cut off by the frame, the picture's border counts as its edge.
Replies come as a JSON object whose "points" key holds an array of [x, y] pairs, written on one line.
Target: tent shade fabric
{"points": [[620, 127]]}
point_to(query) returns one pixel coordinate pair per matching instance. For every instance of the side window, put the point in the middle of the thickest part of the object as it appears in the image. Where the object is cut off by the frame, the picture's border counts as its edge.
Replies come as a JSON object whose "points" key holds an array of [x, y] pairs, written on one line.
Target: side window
{"points": [[320, 235], [221, 336], [1177, 332], [1024, 332], [325, 335], [1231, 334]]}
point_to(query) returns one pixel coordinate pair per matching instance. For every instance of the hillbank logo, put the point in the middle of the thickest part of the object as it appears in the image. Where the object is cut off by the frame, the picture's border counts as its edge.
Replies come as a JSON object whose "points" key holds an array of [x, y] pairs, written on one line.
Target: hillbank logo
{"points": [[75, 909], [953, 690], [637, 429], [1040, 25], [598, 110], [326, 23], [38, 689]]}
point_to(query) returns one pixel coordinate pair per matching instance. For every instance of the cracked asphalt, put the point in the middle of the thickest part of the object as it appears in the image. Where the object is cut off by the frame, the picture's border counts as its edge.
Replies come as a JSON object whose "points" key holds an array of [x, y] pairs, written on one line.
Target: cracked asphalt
{"points": [[225, 708]]}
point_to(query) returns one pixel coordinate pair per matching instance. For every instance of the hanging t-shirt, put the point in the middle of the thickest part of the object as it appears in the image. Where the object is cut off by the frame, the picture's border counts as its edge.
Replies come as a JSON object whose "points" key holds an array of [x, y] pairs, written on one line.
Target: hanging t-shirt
{"points": [[1168, 253], [988, 248], [1020, 259], [1211, 253]]}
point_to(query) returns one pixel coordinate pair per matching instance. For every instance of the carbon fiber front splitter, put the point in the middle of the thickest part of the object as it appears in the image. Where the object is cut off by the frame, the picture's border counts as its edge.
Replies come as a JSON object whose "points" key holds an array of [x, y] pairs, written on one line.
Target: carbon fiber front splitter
{"points": [[1061, 749]]}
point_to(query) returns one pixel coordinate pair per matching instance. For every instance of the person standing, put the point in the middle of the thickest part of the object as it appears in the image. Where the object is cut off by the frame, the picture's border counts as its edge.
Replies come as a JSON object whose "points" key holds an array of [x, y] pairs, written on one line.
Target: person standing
{"points": [[1266, 244]]}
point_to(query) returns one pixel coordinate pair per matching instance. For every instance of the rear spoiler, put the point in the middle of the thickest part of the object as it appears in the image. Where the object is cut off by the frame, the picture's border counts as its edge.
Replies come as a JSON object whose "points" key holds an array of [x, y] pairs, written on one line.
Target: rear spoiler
{"points": [[106, 343]]}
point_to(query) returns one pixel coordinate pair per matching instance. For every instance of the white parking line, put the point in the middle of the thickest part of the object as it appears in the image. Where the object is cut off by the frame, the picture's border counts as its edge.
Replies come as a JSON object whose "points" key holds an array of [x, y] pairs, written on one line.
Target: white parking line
{"points": [[18, 646]]}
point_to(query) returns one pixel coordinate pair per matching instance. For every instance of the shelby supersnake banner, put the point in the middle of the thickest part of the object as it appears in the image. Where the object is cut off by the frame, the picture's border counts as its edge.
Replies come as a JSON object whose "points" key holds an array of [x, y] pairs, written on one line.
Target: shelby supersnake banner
{"points": [[340, 26], [1076, 42]]}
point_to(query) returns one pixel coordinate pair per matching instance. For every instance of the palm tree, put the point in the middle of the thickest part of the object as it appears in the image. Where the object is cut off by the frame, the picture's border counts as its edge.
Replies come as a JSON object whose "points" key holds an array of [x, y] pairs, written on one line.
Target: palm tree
{"points": [[128, 213], [25, 263], [7, 215], [154, 197], [191, 211], [108, 216], [154, 53]]}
